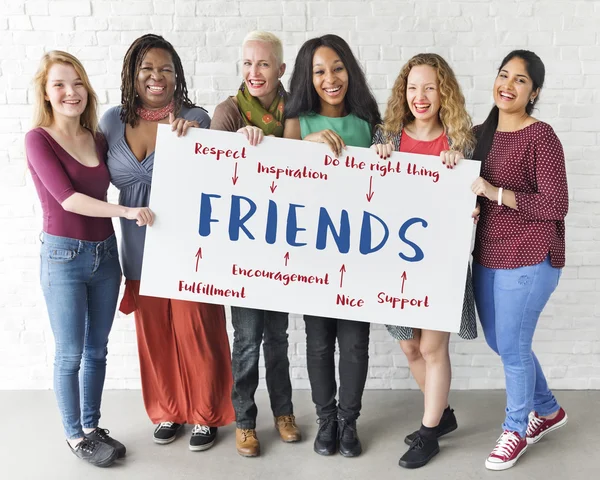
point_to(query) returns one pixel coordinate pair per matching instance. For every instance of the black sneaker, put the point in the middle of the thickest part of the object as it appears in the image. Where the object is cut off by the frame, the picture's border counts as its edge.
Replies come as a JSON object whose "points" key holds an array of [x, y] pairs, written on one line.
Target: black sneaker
{"points": [[202, 438], [447, 424], [96, 453], [166, 432], [326, 441], [421, 450], [101, 435], [349, 442]]}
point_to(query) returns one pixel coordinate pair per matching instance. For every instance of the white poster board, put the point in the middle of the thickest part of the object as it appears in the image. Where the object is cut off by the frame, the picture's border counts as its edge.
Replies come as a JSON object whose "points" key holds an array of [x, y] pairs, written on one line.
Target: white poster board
{"points": [[286, 226]]}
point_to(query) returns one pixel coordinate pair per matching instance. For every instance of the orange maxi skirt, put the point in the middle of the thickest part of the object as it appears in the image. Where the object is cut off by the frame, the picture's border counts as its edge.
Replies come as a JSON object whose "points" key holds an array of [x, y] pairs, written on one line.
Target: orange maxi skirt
{"points": [[185, 361]]}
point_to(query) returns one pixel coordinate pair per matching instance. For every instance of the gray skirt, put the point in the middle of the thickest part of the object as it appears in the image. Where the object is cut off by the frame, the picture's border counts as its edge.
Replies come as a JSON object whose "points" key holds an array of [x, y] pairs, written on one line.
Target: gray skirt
{"points": [[468, 324]]}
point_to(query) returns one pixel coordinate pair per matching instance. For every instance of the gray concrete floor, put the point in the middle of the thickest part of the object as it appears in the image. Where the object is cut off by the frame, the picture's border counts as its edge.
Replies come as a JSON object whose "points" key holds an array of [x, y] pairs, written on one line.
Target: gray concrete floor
{"points": [[32, 447]]}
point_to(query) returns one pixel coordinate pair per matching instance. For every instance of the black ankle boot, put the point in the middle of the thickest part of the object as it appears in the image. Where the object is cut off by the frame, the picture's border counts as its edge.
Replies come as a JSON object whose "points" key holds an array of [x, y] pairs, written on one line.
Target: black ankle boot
{"points": [[326, 442], [349, 442]]}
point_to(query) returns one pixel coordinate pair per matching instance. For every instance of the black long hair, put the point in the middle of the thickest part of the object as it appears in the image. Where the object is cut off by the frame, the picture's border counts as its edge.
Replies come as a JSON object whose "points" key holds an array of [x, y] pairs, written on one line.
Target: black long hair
{"points": [[131, 64], [537, 72], [304, 99]]}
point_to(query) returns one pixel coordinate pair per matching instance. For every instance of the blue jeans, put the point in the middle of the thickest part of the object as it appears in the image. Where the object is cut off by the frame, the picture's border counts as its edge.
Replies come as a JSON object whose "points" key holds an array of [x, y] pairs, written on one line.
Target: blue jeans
{"points": [[80, 281], [509, 303], [251, 327]]}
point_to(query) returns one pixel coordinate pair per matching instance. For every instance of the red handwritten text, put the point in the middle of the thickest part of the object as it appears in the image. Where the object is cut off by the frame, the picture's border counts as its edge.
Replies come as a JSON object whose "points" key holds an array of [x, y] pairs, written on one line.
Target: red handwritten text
{"points": [[303, 172], [349, 301], [204, 150], [210, 290], [284, 278], [402, 303]]}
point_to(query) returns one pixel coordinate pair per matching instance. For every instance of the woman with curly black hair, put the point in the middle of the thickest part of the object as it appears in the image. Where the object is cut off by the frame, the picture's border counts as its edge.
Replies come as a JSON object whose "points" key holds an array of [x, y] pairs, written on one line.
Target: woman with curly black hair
{"points": [[183, 347]]}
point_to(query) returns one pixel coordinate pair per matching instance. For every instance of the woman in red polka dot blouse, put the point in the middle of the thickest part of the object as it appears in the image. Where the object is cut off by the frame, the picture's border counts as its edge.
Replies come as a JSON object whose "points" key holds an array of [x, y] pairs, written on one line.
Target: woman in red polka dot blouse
{"points": [[519, 247]]}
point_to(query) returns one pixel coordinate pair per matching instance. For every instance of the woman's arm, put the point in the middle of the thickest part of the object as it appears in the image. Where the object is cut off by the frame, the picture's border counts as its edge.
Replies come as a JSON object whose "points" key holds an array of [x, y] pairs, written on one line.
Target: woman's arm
{"points": [[291, 129], [44, 162], [382, 147], [551, 201], [92, 207]]}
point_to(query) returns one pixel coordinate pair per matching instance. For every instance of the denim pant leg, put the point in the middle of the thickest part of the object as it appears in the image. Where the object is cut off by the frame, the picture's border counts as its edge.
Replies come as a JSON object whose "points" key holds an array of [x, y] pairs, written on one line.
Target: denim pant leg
{"points": [[321, 333], [102, 294], [544, 402], [277, 363], [519, 297], [353, 339], [248, 325], [61, 278], [483, 289]]}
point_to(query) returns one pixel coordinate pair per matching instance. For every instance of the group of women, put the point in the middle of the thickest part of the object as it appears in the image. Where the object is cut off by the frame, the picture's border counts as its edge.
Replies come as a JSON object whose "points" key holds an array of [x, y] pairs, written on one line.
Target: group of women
{"points": [[187, 372]]}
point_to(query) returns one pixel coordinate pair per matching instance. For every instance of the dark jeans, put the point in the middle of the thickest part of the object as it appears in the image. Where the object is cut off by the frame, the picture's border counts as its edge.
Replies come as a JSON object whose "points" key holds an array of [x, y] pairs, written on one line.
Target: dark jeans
{"points": [[353, 340], [251, 327]]}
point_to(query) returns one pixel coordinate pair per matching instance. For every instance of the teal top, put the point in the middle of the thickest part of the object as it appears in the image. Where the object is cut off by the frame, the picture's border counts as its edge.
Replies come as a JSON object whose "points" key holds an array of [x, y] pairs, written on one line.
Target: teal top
{"points": [[355, 131]]}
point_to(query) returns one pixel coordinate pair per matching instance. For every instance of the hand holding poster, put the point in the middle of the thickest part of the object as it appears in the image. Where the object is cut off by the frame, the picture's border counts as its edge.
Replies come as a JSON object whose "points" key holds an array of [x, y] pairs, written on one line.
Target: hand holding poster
{"points": [[286, 226]]}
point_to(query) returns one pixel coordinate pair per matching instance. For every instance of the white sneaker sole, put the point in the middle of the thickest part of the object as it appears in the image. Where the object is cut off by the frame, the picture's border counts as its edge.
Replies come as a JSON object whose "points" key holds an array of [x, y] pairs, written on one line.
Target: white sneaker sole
{"points": [[200, 448], [498, 466], [166, 441], [562, 423]]}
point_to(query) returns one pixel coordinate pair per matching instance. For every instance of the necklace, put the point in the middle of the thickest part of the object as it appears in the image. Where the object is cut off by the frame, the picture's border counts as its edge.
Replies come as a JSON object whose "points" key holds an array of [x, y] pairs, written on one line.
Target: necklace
{"points": [[155, 115]]}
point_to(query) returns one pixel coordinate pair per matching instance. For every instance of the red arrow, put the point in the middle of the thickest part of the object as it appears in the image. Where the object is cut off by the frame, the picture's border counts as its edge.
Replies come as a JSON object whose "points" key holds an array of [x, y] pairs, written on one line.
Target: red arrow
{"points": [[287, 257], [371, 192], [342, 270], [234, 179], [198, 257], [403, 280], [273, 186]]}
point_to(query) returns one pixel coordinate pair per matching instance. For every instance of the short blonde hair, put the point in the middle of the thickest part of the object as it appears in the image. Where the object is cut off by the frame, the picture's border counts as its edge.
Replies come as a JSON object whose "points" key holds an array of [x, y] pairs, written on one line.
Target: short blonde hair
{"points": [[44, 116], [267, 37]]}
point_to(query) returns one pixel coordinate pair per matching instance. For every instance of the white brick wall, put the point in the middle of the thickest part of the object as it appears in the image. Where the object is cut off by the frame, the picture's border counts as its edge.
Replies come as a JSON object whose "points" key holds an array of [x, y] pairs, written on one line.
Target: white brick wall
{"points": [[473, 35]]}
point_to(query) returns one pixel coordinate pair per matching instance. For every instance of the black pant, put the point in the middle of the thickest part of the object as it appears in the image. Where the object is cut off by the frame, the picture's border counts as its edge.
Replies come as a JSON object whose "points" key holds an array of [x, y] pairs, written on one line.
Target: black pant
{"points": [[251, 327], [353, 340]]}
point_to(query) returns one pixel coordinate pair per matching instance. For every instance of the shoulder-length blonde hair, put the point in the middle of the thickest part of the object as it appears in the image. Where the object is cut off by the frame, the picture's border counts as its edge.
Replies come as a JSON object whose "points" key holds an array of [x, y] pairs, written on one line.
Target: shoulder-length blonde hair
{"points": [[44, 116], [453, 114]]}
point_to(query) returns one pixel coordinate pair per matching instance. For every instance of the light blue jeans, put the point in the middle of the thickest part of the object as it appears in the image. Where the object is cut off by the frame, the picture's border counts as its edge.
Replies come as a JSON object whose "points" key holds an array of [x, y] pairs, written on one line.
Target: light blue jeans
{"points": [[509, 303], [80, 281]]}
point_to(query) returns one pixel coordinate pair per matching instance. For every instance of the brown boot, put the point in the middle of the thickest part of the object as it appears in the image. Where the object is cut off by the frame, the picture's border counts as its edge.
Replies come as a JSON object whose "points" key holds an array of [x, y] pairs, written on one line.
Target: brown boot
{"points": [[287, 428], [246, 442]]}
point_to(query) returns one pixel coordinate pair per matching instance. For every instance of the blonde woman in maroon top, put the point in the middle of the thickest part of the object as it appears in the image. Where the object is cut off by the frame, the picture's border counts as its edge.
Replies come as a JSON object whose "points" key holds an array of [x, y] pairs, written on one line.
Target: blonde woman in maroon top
{"points": [[519, 248], [79, 261]]}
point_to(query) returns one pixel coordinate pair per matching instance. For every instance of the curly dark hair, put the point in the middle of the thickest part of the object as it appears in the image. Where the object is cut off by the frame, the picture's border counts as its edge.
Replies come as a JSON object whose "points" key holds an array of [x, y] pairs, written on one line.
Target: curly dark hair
{"points": [[304, 99], [131, 64]]}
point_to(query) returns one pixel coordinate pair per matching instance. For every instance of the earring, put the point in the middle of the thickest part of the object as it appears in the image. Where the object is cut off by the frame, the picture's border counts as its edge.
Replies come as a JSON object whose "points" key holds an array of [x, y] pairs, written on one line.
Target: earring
{"points": [[531, 101]]}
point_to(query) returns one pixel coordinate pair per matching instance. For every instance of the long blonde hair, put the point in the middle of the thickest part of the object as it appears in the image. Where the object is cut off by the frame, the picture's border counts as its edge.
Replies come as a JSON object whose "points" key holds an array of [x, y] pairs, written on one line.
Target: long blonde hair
{"points": [[453, 114], [43, 115]]}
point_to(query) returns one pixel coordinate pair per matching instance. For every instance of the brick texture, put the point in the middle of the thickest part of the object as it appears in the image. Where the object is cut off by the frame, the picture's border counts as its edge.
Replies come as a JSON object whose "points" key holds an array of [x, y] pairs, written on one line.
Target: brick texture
{"points": [[472, 35]]}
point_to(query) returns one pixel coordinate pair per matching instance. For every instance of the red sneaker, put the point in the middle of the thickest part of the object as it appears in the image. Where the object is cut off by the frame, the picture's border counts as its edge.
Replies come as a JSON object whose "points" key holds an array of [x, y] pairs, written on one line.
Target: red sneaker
{"points": [[509, 447], [538, 427]]}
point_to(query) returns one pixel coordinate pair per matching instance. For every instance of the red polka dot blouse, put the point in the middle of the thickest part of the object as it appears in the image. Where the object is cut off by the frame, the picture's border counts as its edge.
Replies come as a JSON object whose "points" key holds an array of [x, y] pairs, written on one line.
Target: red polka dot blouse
{"points": [[531, 163]]}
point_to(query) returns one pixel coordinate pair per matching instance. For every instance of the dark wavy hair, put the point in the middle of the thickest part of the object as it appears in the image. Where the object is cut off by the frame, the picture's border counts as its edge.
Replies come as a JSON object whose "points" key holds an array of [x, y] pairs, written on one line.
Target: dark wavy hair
{"points": [[304, 99], [131, 64], [537, 73]]}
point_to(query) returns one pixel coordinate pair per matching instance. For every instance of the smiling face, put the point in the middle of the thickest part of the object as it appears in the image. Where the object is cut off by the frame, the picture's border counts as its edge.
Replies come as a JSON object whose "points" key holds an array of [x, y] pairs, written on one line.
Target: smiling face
{"points": [[65, 91], [261, 70], [423, 93], [513, 87], [155, 82], [330, 77]]}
